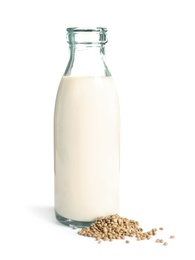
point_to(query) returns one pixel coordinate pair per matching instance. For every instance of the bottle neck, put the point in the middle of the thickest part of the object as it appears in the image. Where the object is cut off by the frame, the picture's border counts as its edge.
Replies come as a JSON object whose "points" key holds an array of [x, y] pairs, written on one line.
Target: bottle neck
{"points": [[87, 60]]}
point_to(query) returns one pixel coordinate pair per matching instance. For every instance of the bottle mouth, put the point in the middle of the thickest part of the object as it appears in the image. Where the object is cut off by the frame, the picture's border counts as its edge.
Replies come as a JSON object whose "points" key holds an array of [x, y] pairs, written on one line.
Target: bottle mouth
{"points": [[87, 35]]}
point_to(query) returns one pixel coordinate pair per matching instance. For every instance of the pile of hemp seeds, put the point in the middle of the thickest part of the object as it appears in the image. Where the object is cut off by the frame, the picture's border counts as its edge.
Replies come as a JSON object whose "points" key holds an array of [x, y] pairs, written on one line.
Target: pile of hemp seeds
{"points": [[116, 227]]}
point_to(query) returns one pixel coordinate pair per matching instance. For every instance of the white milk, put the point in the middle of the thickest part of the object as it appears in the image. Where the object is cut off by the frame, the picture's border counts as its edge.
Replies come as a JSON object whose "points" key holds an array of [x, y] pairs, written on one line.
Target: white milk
{"points": [[86, 148]]}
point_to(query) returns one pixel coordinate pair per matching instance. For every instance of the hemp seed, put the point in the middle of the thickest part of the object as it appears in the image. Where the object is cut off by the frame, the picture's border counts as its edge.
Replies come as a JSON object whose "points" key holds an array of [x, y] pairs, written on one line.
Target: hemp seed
{"points": [[115, 227]]}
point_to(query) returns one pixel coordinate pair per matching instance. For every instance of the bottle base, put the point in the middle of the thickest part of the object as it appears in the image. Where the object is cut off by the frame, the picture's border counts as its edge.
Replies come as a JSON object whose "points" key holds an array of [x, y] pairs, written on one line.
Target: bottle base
{"points": [[72, 223]]}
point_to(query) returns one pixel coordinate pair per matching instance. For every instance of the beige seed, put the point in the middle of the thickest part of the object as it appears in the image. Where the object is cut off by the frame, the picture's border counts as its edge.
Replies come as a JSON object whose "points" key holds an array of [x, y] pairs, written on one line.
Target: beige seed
{"points": [[161, 228], [161, 241], [172, 237], [127, 241], [165, 244], [157, 240], [105, 230]]}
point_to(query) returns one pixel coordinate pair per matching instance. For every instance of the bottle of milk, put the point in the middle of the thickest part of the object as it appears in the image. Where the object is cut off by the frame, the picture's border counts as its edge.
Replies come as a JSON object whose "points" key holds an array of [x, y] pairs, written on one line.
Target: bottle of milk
{"points": [[86, 133]]}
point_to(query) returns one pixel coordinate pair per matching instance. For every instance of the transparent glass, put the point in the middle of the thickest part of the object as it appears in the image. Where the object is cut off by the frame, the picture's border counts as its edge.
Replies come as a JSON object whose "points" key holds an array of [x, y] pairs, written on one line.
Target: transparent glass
{"points": [[86, 133], [87, 52]]}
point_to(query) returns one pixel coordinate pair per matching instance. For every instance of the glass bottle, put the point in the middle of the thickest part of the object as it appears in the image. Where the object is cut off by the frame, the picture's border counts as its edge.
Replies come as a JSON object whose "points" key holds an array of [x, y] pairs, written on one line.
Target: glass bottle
{"points": [[86, 133]]}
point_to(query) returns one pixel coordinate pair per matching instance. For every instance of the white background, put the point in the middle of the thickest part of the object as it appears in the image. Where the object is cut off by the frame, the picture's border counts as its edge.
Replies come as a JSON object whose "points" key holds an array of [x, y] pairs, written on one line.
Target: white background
{"points": [[151, 54]]}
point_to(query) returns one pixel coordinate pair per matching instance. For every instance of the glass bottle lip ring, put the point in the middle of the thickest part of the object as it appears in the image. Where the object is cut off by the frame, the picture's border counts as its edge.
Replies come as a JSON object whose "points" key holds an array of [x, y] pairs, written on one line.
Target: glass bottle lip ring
{"points": [[86, 29], [87, 35]]}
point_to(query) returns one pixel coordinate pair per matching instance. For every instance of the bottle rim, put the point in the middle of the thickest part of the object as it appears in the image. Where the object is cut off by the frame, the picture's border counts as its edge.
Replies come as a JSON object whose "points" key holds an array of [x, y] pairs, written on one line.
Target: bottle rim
{"points": [[87, 35], [86, 29]]}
